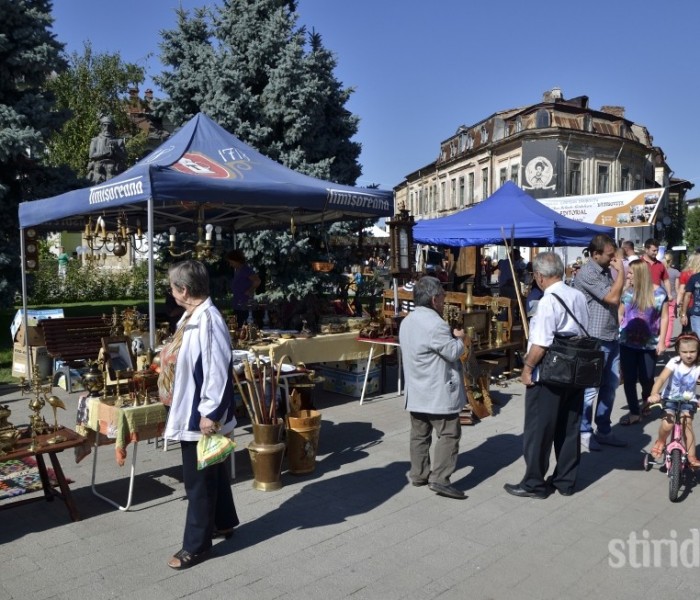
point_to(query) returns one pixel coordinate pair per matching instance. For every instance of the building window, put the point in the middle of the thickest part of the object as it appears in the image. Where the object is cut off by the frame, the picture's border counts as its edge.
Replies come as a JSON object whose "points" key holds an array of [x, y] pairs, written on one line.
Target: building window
{"points": [[443, 199], [518, 124], [502, 176], [514, 174], [484, 183], [603, 179], [625, 179], [542, 118], [461, 191], [470, 188], [484, 134], [453, 193], [573, 181]]}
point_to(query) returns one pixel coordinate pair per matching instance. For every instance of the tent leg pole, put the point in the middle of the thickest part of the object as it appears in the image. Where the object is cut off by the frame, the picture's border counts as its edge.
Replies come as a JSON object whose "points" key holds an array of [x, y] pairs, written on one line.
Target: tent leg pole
{"points": [[28, 354], [151, 278]]}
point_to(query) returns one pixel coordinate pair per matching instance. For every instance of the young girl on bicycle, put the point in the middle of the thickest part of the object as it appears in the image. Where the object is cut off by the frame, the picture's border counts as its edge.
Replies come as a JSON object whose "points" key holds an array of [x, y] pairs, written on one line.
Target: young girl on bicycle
{"points": [[679, 378]]}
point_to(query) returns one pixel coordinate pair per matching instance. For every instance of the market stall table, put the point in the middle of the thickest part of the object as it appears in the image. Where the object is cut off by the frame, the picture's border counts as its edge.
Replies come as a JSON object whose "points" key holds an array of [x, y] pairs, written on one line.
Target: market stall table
{"points": [[104, 424], [384, 343], [21, 450], [332, 347]]}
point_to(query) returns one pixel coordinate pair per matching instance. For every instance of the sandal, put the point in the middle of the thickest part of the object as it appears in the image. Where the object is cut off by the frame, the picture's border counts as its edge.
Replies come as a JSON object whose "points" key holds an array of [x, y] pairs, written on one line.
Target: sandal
{"points": [[184, 560], [630, 419], [658, 450]]}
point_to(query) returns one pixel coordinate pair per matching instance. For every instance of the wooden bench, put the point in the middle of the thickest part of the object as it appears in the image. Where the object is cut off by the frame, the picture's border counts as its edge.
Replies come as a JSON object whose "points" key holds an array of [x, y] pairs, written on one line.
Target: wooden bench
{"points": [[73, 340]]}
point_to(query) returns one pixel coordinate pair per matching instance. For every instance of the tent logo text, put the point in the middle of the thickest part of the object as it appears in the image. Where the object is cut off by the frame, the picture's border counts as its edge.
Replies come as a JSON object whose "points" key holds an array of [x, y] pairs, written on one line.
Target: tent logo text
{"points": [[193, 163], [355, 200], [114, 191]]}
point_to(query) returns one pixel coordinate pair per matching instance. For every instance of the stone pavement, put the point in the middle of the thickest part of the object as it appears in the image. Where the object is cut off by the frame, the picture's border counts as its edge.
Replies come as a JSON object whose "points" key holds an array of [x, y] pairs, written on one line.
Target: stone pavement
{"points": [[356, 529]]}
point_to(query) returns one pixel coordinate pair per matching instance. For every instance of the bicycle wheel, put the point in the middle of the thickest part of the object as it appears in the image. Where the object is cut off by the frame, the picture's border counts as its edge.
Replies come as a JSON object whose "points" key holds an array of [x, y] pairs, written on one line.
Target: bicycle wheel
{"points": [[674, 476]]}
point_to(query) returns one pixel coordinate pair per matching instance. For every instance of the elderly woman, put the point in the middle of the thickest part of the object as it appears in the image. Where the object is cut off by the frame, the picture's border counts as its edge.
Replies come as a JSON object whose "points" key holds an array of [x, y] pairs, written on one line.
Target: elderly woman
{"points": [[196, 382]]}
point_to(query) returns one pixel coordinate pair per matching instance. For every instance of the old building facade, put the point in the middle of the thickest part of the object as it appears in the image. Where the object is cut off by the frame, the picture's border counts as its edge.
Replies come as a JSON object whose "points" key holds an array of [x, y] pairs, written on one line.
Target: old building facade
{"points": [[554, 148]]}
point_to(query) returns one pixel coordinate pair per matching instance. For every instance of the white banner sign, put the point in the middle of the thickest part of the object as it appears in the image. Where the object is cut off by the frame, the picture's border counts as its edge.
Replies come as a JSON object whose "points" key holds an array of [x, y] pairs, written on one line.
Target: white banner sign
{"points": [[634, 208]]}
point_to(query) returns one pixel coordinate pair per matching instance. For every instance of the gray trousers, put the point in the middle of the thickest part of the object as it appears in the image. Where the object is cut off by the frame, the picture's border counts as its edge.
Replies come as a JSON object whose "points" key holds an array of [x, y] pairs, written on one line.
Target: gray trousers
{"points": [[448, 430]]}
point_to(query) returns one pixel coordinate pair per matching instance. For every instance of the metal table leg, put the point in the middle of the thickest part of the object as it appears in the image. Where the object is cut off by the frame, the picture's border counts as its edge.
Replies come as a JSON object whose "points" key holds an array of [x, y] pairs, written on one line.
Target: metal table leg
{"points": [[131, 479], [369, 364]]}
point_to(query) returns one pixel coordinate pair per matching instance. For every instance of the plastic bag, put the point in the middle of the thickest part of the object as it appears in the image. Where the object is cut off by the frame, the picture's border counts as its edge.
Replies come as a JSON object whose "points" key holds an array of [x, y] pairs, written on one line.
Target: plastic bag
{"points": [[213, 449]]}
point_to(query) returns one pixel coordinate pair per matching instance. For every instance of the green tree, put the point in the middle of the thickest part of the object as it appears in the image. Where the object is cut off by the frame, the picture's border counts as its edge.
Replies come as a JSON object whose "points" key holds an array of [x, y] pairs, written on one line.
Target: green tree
{"points": [[93, 85], [29, 54], [692, 229], [677, 211], [249, 67]]}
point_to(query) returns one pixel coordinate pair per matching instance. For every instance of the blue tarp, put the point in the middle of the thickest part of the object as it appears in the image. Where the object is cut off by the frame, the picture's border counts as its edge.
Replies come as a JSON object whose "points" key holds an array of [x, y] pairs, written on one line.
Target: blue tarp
{"points": [[204, 163], [507, 210]]}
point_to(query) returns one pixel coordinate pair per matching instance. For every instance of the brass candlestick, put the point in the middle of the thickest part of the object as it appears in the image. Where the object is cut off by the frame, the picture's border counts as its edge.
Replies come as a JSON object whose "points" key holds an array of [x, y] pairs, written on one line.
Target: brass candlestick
{"points": [[37, 424]]}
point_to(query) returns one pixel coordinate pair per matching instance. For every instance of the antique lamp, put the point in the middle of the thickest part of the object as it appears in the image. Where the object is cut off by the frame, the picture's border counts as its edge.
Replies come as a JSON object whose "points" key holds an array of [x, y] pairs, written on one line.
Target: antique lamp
{"points": [[401, 237], [208, 242]]}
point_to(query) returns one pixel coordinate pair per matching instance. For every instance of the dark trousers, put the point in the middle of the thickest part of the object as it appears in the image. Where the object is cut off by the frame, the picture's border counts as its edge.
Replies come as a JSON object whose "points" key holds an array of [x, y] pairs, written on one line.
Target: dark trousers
{"points": [[552, 418], [637, 366], [448, 430], [209, 500]]}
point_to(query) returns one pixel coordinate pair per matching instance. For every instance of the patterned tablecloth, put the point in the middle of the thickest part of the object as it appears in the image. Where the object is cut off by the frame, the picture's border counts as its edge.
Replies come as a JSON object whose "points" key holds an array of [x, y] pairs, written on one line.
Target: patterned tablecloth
{"points": [[119, 426]]}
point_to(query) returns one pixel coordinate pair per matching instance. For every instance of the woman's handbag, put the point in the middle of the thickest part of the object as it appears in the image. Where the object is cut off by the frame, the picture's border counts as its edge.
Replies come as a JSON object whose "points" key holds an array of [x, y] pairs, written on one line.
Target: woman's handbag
{"points": [[573, 361]]}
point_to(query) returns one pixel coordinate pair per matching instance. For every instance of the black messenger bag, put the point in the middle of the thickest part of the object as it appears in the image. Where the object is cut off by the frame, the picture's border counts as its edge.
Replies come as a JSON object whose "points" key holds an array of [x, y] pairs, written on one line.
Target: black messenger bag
{"points": [[573, 361]]}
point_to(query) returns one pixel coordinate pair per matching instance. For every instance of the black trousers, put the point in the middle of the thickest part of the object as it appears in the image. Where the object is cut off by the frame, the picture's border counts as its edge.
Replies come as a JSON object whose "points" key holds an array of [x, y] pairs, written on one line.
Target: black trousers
{"points": [[552, 418], [209, 500]]}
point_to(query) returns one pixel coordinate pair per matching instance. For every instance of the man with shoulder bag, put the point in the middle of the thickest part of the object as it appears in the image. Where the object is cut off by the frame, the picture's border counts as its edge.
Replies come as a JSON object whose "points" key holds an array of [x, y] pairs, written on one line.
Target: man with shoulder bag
{"points": [[552, 411]]}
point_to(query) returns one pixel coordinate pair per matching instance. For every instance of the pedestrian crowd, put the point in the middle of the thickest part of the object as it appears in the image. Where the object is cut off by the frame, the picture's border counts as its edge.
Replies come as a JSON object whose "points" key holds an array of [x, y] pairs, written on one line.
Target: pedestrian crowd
{"points": [[626, 302]]}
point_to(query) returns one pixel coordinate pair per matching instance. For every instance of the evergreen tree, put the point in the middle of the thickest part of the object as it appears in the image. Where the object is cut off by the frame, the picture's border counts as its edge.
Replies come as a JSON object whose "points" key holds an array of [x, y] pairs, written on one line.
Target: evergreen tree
{"points": [[29, 54], [254, 71], [93, 85]]}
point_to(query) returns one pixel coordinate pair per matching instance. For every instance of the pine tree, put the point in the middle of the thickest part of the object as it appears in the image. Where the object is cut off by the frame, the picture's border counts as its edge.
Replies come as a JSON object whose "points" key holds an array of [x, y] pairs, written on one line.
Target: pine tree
{"points": [[254, 71], [29, 54]]}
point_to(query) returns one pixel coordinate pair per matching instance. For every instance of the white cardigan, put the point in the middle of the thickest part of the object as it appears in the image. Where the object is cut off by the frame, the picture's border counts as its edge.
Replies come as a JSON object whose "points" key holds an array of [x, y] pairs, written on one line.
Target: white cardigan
{"points": [[203, 384]]}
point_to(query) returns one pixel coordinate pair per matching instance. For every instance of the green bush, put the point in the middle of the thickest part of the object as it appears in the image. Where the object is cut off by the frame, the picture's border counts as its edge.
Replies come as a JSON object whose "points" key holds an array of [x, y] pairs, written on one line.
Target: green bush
{"points": [[86, 283]]}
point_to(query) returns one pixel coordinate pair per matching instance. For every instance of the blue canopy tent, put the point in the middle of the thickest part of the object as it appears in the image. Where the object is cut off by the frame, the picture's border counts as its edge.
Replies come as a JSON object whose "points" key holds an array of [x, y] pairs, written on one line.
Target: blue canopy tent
{"points": [[508, 210], [203, 165]]}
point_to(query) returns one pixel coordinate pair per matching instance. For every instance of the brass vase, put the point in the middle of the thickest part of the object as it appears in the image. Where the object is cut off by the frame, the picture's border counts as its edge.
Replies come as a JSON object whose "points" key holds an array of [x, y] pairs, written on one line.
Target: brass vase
{"points": [[266, 454], [469, 300]]}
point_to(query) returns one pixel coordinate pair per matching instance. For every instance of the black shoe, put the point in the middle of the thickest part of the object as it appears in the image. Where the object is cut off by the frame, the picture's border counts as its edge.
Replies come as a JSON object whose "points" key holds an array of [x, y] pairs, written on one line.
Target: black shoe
{"points": [[449, 491], [516, 490]]}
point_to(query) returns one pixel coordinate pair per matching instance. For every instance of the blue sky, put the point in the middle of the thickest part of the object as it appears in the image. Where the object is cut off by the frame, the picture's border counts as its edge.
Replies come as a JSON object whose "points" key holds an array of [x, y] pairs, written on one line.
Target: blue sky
{"points": [[421, 69]]}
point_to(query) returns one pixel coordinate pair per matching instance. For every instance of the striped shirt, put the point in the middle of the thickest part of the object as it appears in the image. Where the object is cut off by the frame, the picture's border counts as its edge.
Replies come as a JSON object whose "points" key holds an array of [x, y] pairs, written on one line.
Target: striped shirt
{"points": [[595, 282]]}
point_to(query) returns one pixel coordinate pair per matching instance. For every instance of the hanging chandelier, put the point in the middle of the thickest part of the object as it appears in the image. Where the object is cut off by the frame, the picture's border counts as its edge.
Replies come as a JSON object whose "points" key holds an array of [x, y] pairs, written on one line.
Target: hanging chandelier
{"points": [[208, 244], [115, 242]]}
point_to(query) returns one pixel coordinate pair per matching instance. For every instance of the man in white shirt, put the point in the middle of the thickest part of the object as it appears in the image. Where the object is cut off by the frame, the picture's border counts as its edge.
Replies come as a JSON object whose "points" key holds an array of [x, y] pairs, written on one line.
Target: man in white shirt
{"points": [[552, 413]]}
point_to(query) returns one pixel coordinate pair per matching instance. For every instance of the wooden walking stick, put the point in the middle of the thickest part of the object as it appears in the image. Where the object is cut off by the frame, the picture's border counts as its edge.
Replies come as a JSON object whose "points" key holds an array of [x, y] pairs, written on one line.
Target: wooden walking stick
{"points": [[518, 295]]}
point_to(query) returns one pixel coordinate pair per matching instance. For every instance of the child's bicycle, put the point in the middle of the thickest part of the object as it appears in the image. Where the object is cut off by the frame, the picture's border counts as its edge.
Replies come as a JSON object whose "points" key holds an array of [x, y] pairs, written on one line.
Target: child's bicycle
{"points": [[675, 455]]}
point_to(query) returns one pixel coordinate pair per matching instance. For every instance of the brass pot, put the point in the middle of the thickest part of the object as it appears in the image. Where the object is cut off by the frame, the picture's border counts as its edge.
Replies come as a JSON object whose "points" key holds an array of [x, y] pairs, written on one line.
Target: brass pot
{"points": [[93, 380], [266, 454], [8, 439]]}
